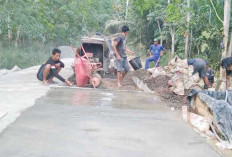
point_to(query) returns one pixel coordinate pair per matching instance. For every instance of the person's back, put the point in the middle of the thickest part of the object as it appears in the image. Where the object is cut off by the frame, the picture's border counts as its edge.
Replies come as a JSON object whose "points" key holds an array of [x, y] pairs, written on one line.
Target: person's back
{"points": [[194, 60], [199, 66]]}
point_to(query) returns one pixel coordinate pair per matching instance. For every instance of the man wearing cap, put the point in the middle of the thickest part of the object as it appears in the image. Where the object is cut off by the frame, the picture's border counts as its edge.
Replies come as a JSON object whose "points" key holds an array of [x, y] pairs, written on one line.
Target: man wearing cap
{"points": [[156, 50]]}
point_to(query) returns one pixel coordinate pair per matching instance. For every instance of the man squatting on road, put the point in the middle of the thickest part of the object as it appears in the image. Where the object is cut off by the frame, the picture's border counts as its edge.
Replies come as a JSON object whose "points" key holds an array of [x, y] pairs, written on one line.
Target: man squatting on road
{"points": [[51, 68], [119, 47]]}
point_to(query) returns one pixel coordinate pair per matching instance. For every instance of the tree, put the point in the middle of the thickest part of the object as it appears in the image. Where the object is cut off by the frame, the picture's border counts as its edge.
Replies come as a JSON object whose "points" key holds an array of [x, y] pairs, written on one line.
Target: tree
{"points": [[187, 31], [226, 24]]}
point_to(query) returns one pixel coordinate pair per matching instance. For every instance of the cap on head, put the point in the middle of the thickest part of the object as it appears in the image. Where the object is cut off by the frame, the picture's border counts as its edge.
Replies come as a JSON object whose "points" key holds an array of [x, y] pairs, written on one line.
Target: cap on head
{"points": [[155, 40]]}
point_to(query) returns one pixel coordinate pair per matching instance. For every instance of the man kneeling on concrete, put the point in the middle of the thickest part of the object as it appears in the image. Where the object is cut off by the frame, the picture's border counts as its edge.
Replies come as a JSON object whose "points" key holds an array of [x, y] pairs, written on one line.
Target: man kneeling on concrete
{"points": [[51, 68], [199, 66]]}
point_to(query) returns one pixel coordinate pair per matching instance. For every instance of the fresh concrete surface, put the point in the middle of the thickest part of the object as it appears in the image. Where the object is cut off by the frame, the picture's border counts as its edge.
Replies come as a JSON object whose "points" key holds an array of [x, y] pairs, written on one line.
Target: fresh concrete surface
{"points": [[89, 123], [19, 90], [99, 123]]}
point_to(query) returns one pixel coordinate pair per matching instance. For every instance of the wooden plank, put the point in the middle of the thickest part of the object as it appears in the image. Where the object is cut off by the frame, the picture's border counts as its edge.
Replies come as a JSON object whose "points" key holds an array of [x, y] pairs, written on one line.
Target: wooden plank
{"points": [[219, 82], [203, 110]]}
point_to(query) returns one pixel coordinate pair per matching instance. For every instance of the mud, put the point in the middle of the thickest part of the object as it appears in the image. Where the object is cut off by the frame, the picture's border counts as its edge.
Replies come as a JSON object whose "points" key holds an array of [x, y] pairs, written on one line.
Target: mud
{"points": [[140, 74], [111, 84], [161, 88]]}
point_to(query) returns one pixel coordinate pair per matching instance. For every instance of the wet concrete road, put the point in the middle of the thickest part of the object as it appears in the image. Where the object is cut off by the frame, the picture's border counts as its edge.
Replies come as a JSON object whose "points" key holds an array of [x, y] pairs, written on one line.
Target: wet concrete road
{"points": [[96, 123]]}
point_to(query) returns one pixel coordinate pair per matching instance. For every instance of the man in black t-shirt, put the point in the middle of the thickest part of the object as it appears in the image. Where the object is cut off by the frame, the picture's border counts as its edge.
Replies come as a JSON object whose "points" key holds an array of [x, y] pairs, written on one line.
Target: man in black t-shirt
{"points": [[227, 64], [228, 75], [209, 74], [120, 49], [51, 68]]}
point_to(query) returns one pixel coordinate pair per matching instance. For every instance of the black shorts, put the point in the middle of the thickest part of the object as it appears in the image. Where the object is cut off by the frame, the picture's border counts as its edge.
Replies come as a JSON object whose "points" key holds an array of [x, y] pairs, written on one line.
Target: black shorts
{"points": [[40, 75]]}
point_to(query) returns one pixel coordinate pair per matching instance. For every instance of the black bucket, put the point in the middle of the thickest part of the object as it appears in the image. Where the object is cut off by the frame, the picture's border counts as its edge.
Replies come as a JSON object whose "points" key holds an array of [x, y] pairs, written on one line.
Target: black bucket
{"points": [[136, 63]]}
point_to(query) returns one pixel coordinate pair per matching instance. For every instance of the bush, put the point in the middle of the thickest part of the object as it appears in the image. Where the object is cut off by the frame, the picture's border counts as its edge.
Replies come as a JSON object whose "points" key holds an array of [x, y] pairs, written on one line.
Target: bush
{"points": [[23, 57]]}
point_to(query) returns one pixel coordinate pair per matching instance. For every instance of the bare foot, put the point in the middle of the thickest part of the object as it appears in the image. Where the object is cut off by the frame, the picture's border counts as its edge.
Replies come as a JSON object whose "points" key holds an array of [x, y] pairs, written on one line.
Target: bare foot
{"points": [[45, 83], [119, 84], [52, 82]]}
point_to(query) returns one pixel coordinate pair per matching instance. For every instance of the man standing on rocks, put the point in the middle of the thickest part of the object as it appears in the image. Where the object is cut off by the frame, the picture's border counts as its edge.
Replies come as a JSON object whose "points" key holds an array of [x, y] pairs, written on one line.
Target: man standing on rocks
{"points": [[119, 47], [156, 50], [51, 68], [199, 66]]}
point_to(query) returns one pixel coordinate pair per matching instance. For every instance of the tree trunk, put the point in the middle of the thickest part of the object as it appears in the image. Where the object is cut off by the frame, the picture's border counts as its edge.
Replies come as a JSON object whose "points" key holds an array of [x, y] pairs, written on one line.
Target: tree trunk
{"points": [[230, 46], [127, 5], [191, 41], [187, 31], [172, 32], [198, 50], [210, 15], [17, 37], [226, 24], [161, 40], [9, 29]]}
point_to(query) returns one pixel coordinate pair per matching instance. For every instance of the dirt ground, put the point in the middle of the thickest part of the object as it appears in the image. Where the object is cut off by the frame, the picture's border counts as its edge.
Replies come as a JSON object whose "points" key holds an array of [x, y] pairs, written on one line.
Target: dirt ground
{"points": [[159, 85], [161, 88], [111, 84], [140, 74]]}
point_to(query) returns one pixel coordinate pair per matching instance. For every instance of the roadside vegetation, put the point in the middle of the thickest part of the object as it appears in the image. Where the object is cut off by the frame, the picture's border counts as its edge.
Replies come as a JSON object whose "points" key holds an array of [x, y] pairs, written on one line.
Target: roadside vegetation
{"points": [[199, 28]]}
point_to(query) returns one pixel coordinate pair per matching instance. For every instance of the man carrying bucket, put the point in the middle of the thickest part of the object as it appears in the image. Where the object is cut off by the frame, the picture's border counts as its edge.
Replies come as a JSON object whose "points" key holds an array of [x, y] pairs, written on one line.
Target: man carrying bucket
{"points": [[119, 47], [156, 50]]}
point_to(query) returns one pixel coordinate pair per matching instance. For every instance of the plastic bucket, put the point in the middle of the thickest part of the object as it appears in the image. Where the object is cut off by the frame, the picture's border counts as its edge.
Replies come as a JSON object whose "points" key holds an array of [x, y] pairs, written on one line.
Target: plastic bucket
{"points": [[136, 63]]}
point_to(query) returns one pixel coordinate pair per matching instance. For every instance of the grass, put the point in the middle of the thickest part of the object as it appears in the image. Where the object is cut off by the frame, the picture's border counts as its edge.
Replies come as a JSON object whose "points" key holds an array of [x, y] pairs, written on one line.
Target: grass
{"points": [[23, 57]]}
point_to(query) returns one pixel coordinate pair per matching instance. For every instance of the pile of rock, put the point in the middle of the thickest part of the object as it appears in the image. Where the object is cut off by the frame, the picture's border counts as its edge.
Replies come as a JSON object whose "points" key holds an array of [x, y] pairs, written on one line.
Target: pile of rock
{"points": [[5, 71], [180, 75]]}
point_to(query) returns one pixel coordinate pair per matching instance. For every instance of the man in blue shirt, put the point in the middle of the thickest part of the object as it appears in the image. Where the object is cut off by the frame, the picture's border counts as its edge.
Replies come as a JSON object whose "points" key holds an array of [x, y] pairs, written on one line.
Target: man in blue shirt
{"points": [[155, 53]]}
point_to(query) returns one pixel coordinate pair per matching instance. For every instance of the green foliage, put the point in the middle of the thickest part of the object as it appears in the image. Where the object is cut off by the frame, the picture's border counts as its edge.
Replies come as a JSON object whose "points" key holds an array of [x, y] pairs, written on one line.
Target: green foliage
{"points": [[24, 57], [55, 20], [63, 22], [205, 30], [46, 22]]}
